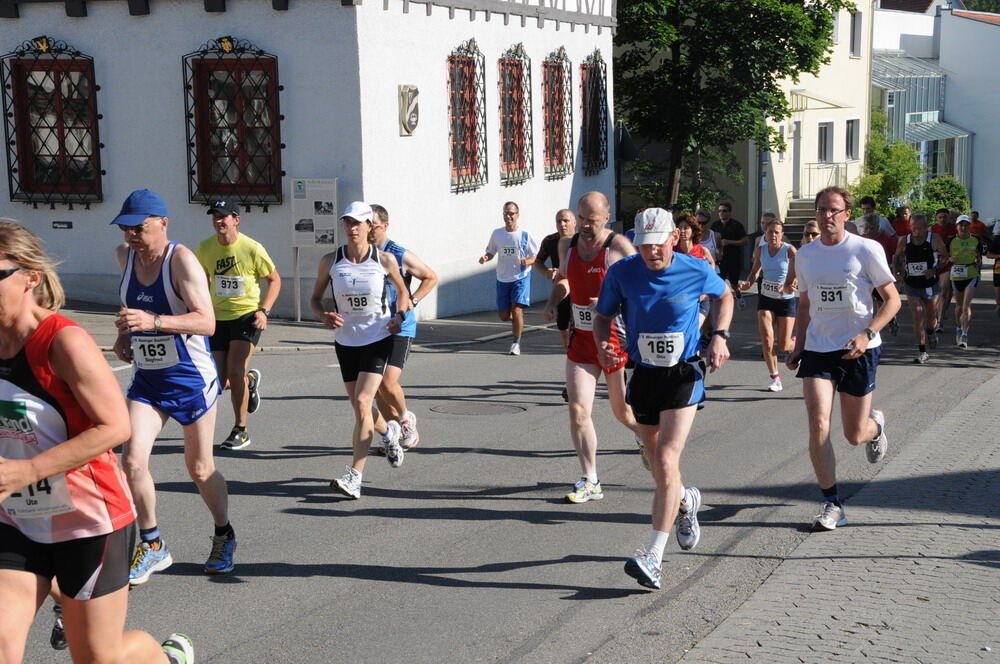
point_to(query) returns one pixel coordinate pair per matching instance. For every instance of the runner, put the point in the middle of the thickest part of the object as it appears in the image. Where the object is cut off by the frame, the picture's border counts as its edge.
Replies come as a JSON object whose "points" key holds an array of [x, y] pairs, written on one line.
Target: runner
{"points": [[733, 239], [776, 305], [517, 252], [658, 292], [390, 397], [163, 325], [966, 254], [584, 259], [838, 343], [234, 264], [901, 224], [364, 326], [689, 242], [916, 256], [549, 250], [66, 515], [945, 228]]}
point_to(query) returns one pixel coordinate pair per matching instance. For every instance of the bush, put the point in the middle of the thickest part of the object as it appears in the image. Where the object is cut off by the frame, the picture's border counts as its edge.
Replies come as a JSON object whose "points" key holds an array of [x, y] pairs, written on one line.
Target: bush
{"points": [[944, 191]]}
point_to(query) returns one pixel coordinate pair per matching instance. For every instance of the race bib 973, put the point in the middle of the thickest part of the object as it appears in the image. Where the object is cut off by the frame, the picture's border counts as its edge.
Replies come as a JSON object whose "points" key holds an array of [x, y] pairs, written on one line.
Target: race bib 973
{"points": [[226, 286]]}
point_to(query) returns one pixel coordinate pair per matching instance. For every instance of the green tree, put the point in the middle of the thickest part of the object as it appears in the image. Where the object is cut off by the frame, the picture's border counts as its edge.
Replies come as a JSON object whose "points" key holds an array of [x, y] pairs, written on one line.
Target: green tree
{"points": [[944, 191], [705, 74], [892, 168], [983, 5]]}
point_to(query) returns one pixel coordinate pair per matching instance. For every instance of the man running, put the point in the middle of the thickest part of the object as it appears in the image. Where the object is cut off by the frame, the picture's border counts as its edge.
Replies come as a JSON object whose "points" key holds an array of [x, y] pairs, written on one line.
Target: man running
{"points": [[837, 344], [732, 239], [549, 250], [659, 292], [966, 254], [517, 251], [584, 259], [234, 264], [915, 259], [390, 397], [944, 226], [163, 328]]}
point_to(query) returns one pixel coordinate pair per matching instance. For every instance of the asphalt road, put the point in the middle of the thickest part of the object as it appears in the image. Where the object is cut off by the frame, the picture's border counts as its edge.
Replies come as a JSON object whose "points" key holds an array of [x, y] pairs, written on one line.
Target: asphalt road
{"points": [[467, 553]]}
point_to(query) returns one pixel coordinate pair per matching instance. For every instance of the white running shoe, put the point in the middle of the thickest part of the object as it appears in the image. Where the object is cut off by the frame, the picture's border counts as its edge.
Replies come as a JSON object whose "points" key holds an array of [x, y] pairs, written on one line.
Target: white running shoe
{"points": [[585, 490], [409, 436], [515, 348], [963, 341], [643, 568], [390, 442], [686, 526], [879, 445], [775, 385], [922, 358], [349, 484], [179, 649], [830, 516]]}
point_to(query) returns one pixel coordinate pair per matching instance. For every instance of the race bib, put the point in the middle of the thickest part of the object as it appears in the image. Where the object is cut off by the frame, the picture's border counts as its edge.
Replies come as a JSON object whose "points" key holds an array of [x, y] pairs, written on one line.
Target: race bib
{"points": [[960, 271], [583, 318], [226, 286], [42, 499], [661, 350], [771, 289], [916, 269], [833, 298], [154, 352], [508, 252], [359, 304]]}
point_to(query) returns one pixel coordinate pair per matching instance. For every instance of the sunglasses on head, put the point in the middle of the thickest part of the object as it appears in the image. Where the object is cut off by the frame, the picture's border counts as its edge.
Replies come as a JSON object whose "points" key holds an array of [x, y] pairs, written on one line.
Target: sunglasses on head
{"points": [[9, 271]]}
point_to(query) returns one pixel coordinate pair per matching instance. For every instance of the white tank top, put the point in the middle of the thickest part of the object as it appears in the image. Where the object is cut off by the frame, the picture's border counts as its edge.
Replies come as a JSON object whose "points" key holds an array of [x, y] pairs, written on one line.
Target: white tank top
{"points": [[360, 295]]}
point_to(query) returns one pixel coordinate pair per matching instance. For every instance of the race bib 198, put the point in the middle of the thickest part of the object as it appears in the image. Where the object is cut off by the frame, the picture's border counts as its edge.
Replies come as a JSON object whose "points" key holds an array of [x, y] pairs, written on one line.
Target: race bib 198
{"points": [[44, 498], [154, 352], [833, 298], [771, 289], [359, 304], [916, 269], [960, 271], [583, 318], [661, 350], [226, 286]]}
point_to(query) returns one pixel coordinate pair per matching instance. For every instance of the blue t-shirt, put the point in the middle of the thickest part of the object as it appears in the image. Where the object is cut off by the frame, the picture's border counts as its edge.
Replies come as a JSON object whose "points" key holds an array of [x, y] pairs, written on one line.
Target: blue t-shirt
{"points": [[656, 302], [408, 328]]}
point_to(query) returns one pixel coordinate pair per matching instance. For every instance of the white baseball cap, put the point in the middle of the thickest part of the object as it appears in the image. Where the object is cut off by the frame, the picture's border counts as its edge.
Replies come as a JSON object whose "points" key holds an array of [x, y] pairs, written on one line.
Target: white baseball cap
{"points": [[962, 218], [653, 226], [358, 210]]}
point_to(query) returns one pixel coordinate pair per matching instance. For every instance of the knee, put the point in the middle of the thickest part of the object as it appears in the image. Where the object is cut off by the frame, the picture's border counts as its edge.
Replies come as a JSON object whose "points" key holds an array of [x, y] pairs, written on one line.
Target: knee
{"points": [[201, 471], [134, 467], [363, 405], [855, 435], [579, 414], [666, 466], [236, 378]]}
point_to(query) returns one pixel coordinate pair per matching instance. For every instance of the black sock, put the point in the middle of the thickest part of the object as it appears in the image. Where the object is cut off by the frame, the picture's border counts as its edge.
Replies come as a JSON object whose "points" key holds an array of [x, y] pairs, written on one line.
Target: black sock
{"points": [[239, 428], [225, 531], [922, 348], [830, 495]]}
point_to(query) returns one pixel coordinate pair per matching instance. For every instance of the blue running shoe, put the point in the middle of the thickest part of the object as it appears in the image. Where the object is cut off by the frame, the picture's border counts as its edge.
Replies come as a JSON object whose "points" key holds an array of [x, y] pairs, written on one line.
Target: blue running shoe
{"points": [[147, 560], [221, 560]]}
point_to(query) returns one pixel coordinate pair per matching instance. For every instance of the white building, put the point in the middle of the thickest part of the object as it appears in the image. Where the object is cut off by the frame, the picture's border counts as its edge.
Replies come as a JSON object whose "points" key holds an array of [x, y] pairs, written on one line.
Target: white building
{"points": [[198, 101]]}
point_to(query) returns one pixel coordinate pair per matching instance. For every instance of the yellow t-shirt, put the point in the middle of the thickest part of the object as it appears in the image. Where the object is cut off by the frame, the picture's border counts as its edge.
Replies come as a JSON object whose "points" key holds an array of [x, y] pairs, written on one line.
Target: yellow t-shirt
{"points": [[233, 274]]}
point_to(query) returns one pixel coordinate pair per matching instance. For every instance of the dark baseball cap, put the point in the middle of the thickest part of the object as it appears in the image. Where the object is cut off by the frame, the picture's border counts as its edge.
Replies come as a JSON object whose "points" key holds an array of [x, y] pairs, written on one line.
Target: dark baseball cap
{"points": [[138, 206], [224, 207]]}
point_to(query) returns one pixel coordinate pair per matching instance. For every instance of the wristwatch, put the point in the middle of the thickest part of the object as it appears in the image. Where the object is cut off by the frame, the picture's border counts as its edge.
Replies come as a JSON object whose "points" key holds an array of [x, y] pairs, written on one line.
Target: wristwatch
{"points": [[415, 300], [721, 333], [157, 323], [871, 333], [265, 311]]}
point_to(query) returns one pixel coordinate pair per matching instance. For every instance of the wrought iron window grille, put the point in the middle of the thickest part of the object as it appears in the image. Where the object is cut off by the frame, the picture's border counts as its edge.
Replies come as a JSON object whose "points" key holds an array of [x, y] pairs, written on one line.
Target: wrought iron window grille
{"points": [[557, 97], [50, 124], [594, 113], [516, 144], [233, 123], [467, 117]]}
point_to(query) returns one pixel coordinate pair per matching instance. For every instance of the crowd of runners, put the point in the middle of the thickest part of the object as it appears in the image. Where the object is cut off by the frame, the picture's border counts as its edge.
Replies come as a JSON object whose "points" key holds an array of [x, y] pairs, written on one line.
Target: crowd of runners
{"points": [[650, 311]]}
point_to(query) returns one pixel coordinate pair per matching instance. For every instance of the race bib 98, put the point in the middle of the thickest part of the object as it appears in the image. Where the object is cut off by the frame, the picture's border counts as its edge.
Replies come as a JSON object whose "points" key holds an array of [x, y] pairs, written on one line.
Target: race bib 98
{"points": [[583, 318], [154, 352]]}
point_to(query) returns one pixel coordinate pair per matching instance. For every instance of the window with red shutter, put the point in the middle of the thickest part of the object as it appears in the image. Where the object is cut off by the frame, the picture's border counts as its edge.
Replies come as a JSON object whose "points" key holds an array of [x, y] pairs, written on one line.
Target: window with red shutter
{"points": [[467, 117], [557, 103], [594, 113], [516, 151]]}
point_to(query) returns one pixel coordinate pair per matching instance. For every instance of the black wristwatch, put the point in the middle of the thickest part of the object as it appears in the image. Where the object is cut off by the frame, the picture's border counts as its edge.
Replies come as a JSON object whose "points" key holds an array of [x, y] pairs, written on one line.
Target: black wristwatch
{"points": [[265, 311], [720, 333], [871, 333]]}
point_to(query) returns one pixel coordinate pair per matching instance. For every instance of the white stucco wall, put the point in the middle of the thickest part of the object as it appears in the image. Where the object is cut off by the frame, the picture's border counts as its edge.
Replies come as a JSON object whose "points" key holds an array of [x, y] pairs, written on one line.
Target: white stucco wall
{"points": [[969, 52], [905, 31]]}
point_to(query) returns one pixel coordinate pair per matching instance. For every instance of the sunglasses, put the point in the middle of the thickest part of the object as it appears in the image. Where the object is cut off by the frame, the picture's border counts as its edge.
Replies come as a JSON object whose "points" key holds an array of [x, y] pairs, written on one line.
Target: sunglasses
{"points": [[9, 271], [812, 234], [132, 229]]}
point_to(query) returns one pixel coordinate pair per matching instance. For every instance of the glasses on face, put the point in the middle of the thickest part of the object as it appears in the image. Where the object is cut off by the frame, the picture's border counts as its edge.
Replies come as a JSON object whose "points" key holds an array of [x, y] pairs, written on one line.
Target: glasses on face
{"points": [[811, 234], [822, 211], [132, 229], [508, 213], [9, 271]]}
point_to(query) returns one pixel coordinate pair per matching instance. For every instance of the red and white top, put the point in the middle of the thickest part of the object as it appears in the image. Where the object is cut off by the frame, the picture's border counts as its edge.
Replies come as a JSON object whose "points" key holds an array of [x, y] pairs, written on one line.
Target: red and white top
{"points": [[37, 412], [585, 279]]}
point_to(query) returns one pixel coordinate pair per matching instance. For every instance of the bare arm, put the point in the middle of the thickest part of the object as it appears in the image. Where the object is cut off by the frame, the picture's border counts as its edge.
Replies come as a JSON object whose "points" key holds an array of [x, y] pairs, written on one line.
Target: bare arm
{"points": [[799, 331], [270, 297], [419, 269], [722, 314], [330, 319], [899, 257], [122, 347], [754, 270], [890, 307], [391, 267], [190, 283]]}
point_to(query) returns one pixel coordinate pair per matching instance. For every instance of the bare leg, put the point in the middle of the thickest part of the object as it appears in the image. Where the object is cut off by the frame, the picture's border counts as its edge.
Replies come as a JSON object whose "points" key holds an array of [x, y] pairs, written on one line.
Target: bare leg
{"points": [[665, 456], [616, 395], [517, 320], [201, 466], [146, 425], [581, 383], [855, 414], [95, 631], [818, 394], [784, 340], [21, 593], [765, 325], [362, 395], [390, 397], [240, 353], [919, 314]]}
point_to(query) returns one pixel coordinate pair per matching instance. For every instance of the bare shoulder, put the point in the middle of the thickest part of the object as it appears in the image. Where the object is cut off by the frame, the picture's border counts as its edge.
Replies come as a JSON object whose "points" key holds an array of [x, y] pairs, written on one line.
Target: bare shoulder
{"points": [[621, 244], [121, 254]]}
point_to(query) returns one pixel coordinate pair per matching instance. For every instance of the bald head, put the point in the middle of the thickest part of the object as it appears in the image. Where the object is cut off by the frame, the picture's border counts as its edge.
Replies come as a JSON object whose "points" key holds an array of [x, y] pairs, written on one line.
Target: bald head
{"points": [[593, 202]]}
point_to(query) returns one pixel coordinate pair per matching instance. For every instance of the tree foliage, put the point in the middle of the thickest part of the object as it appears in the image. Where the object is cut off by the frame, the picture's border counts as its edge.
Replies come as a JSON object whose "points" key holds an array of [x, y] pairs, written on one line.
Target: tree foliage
{"points": [[892, 168], [703, 74], [944, 191], [983, 5]]}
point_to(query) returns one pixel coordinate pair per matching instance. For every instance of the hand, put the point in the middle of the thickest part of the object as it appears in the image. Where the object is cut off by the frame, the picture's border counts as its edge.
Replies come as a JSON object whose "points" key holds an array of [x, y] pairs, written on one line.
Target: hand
{"points": [[133, 320], [259, 321], [744, 285], [123, 348], [792, 359], [718, 353], [332, 320], [607, 356], [788, 289], [856, 347], [523, 261], [483, 259], [549, 313], [15, 474], [395, 324], [553, 274]]}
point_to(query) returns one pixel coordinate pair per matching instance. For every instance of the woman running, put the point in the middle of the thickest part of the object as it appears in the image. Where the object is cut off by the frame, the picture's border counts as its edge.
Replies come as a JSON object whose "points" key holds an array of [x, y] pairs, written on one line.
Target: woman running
{"points": [[66, 513], [777, 304], [689, 242], [363, 325], [966, 252]]}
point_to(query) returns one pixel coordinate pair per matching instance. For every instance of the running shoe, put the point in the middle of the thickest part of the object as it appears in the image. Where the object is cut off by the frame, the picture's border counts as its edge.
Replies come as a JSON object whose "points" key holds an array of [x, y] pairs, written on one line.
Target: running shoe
{"points": [[147, 560], [565, 395], [686, 526], [390, 442], [221, 560], [879, 445], [515, 348], [644, 569], [408, 426], [775, 385], [58, 637], [253, 386], [893, 327], [237, 440], [830, 516], [583, 491], [349, 484], [958, 337], [922, 358], [963, 342], [179, 649], [642, 453]]}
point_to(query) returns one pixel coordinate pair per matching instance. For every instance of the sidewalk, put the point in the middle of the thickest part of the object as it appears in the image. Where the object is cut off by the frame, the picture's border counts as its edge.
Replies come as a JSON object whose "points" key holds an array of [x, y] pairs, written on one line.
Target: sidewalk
{"points": [[914, 578]]}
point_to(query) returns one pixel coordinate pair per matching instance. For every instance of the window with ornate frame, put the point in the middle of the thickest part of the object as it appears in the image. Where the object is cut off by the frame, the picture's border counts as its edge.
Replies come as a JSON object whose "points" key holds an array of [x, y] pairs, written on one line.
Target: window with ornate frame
{"points": [[594, 113], [557, 103], [50, 124], [467, 117], [233, 123], [517, 153]]}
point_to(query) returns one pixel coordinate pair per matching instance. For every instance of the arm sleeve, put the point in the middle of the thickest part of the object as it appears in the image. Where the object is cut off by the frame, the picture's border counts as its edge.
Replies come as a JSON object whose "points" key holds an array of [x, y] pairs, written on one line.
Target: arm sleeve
{"points": [[876, 265], [262, 262], [713, 285], [491, 247], [530, 246], [543, 251]]}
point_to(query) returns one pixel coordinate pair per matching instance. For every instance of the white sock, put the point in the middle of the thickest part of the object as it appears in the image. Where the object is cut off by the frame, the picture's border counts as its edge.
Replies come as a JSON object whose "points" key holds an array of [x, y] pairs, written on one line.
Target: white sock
{"points": [[591, 477], [657, 540]]}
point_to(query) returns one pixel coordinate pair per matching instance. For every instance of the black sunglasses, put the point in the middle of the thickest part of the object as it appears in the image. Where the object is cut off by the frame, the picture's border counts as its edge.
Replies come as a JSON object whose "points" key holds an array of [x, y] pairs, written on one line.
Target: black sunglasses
{"points": [[813, 234], [9, 271]]}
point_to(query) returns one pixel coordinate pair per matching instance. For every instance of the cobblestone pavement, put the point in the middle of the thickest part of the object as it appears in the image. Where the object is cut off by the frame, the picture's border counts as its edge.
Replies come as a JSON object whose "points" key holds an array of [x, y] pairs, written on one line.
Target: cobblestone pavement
{"points": [[915, 577]]}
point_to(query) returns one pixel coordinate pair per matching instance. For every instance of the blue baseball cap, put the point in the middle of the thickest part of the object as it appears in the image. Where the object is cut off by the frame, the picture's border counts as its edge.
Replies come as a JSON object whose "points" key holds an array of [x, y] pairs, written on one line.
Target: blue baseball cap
{"points": [[140, 204]]}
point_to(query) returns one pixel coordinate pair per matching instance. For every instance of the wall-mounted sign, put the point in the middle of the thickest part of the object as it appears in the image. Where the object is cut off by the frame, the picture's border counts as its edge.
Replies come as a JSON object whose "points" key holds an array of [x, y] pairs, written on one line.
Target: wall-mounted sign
{"points": [[315, 211], [62, 224], [409, 113]]}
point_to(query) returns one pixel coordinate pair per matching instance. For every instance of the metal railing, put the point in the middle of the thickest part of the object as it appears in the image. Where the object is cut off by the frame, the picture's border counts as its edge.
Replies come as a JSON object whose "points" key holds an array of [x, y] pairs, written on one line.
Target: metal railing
{"points": [[821, 175]]}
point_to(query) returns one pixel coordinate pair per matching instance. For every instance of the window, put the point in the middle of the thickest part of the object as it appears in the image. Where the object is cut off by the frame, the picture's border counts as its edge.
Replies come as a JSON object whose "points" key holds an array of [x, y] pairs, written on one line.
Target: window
{"points": [[825, 142], [856, 34], [594, 114], [50, 122], [835, 33], [233, 123], [557, 98], [852, 145], [781, 137], [516, 150], [467, 117]]}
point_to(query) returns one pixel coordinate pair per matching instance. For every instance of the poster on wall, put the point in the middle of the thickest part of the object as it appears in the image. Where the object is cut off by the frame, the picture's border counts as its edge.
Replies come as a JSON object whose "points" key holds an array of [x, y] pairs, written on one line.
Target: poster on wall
{"points": [[315, 212]]}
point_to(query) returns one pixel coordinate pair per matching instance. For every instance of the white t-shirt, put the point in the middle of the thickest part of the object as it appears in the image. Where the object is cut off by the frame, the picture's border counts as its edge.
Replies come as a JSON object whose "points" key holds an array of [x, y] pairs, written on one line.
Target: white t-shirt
{"points": [[510, 247], [839, 280], [884, 226]]}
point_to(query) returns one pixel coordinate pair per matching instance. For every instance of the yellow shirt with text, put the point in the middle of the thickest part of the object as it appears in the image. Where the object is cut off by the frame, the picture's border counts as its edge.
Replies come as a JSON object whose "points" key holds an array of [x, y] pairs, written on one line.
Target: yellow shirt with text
{"points": [[233, 274]]}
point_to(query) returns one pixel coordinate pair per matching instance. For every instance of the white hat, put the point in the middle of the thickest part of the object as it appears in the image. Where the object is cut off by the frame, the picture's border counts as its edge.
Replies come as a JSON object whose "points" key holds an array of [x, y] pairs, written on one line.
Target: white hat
{"points": [[962, 218], [653, 226], [358, 210]]}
